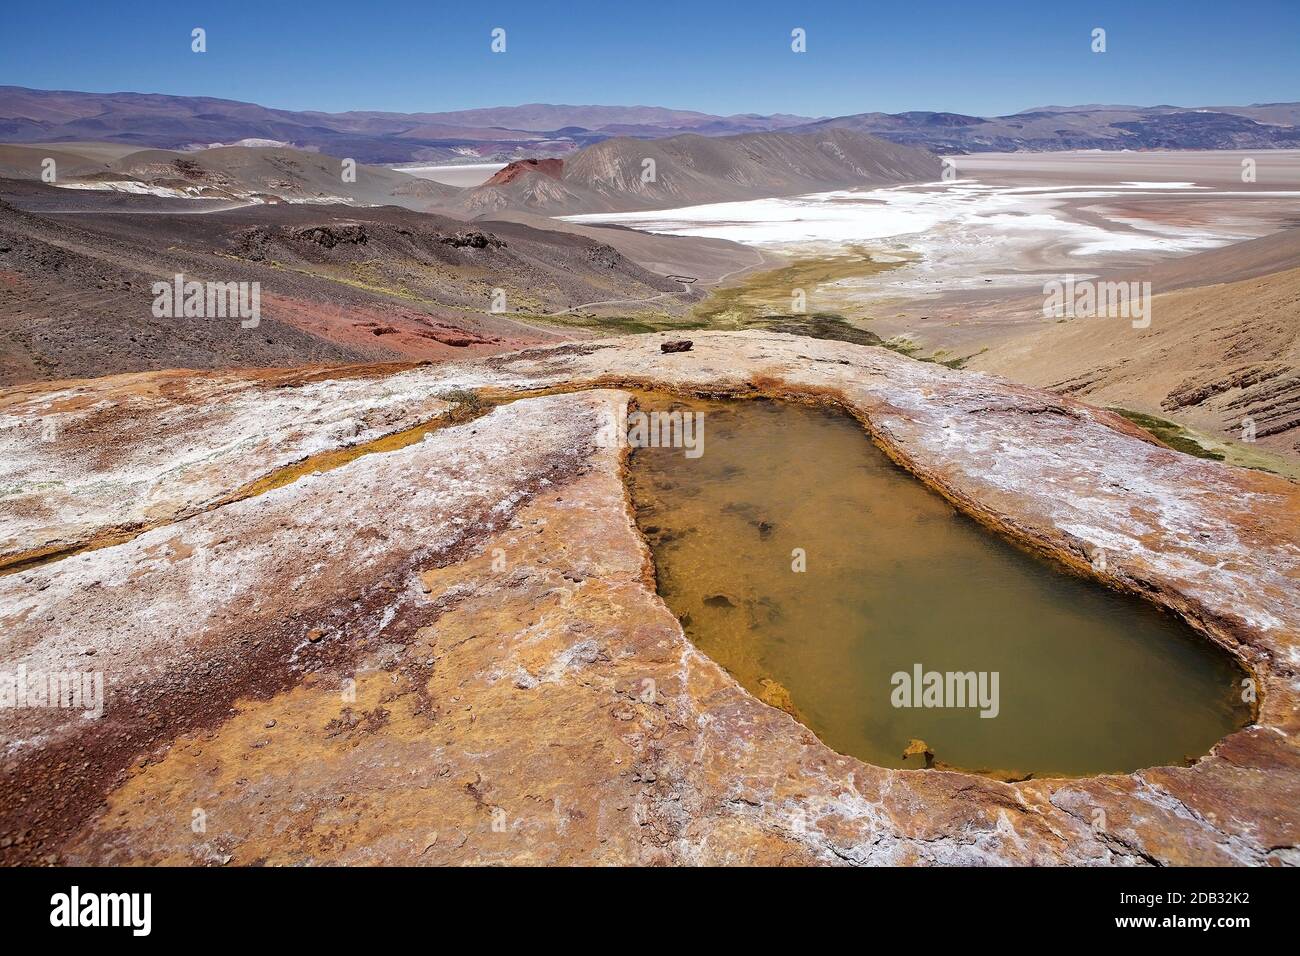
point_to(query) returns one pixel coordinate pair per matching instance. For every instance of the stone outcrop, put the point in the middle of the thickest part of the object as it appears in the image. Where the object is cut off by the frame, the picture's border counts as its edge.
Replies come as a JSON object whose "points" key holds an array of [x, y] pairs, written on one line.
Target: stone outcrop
{"points": [[453, 652], [84, 461]]}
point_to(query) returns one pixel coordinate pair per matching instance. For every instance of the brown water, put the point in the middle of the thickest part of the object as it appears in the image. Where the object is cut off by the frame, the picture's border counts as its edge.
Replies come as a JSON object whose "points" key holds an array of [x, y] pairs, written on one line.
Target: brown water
{"points": [[1089, 680]]}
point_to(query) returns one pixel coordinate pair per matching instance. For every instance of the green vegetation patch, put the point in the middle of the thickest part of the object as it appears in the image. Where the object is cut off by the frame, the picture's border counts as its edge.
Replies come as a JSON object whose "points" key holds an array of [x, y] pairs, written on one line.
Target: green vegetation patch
{"points": [[628, 325], [1181, 438], [762, 294], [905, 346], [1170, 433], [819, 325]]}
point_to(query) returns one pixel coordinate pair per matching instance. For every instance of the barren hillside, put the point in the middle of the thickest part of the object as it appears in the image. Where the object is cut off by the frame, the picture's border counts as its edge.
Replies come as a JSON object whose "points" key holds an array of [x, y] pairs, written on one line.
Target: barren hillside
{"points": [[1214, 357], [624, 174], [337, 284]]}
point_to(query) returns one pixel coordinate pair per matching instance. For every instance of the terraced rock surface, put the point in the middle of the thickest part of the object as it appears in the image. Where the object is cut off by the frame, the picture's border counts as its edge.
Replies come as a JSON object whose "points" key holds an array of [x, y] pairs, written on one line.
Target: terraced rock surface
{"points": [[451, 651]]}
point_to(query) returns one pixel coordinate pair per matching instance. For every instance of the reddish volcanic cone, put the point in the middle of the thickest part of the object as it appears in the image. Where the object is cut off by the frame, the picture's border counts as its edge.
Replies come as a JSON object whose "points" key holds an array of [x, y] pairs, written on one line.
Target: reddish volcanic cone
{"points": [[508, 174]]}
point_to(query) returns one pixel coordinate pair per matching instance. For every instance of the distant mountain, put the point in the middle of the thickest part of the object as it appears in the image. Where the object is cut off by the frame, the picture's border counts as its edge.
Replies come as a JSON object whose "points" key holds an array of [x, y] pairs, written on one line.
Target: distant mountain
{"points": [[545, 117], [508, 133], [1261, 126], [691, 169], [182, 122]]}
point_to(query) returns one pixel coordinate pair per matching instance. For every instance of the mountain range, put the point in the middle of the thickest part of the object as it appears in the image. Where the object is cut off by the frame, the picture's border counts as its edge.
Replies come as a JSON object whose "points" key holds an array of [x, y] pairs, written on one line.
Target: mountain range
{"points": [[187, 122], [614, 175], [1262, 126], [535, 130]]}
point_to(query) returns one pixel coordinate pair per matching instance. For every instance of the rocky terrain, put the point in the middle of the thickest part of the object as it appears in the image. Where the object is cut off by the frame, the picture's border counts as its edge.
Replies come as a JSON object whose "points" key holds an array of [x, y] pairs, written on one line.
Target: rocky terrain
{"points": [[450, 650]]}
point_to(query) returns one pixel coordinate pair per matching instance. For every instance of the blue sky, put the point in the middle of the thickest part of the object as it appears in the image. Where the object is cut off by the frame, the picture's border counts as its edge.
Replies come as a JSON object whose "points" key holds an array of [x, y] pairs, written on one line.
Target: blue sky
{"points": [[969, 57]]}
